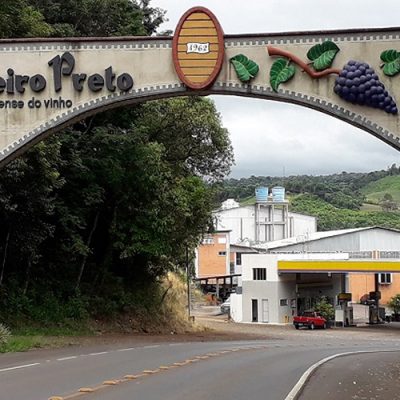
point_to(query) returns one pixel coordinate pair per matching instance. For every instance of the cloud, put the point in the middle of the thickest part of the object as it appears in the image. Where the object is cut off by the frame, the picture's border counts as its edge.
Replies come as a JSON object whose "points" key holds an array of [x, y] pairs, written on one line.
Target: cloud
{"points": [[237, 16], [268, 137]]}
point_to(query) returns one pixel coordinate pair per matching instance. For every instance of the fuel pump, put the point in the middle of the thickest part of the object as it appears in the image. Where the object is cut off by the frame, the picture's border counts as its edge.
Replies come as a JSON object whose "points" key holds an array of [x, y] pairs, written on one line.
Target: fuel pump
{"points": [[345, 312]]}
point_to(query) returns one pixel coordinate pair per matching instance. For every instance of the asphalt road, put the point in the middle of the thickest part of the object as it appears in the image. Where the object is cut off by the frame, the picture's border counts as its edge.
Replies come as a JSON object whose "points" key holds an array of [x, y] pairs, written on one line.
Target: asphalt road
{"points": [[245, 370]]}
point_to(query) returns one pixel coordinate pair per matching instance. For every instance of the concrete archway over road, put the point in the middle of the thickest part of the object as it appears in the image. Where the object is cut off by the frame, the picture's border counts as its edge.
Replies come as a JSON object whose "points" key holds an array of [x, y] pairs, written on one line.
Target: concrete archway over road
{"points": [[47, 84]]}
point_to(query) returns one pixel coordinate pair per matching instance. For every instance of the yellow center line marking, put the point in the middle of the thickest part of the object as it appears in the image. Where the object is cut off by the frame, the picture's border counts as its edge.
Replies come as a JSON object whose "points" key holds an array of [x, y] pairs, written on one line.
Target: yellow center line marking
{"points": [[150, 371], [131, 377], [86, 390], [111, 382]]}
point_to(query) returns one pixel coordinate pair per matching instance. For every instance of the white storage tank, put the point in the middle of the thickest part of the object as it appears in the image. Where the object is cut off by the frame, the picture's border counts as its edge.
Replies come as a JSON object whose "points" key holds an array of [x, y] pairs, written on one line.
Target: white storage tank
{"points": [[278, 194], [261, 194]]}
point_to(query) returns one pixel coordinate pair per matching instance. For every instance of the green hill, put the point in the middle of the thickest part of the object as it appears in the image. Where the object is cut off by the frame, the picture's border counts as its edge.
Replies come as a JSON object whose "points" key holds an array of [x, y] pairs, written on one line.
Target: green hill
{"points": [[331, 217], [248, 201], [375, 191]]}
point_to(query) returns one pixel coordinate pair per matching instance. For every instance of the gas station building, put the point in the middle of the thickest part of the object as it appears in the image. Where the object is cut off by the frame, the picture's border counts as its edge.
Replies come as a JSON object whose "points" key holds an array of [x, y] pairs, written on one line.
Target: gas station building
{"points": [[289, 276]]}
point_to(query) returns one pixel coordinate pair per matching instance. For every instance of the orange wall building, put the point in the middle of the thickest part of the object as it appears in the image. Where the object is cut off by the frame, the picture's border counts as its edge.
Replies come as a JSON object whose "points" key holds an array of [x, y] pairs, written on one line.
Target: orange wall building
{"points": [[213, 255], [361, 284]]}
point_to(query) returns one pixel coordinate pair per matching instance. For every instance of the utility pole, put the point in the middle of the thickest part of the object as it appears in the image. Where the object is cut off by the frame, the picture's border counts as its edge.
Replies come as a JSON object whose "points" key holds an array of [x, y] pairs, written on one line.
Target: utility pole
{"points": [[188, 280]]}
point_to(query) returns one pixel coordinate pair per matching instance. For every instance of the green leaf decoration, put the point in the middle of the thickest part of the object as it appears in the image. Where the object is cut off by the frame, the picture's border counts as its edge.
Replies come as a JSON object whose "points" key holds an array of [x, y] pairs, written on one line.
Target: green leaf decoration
{"points": [[323, 55], [281, 71], [391, 59], [245, 69]]}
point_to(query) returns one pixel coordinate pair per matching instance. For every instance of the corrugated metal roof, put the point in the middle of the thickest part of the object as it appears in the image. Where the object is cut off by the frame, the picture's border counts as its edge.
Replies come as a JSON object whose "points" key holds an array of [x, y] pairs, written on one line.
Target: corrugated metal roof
{"points": [[315, 236]]}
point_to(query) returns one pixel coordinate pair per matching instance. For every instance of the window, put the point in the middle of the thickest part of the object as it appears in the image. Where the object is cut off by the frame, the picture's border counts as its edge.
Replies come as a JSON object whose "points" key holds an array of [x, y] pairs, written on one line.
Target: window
{"points": [[259, 274], [238, 258], [385, 279], [284, 302], [222, 240], [222, 253], [208, 240], [231, 268]]}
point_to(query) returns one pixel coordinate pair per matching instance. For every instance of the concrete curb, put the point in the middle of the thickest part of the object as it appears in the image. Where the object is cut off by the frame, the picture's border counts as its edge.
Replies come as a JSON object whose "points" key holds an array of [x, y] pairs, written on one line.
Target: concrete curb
{"points": [[298, 388]]}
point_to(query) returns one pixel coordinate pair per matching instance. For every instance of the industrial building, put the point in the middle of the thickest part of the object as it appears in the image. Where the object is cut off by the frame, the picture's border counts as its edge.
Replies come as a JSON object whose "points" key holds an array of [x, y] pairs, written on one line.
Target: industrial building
{"points": [[287, 276], [247, 226], [267, 220], [259, 239], [362, 243]]}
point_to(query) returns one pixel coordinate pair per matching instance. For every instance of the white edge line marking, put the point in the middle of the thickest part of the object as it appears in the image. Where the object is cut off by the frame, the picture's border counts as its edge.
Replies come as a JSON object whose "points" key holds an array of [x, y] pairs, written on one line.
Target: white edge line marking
{"points": [[99, 353], [66, 358], [127, 349], [151, 347], [19, 367], [304, 378]]}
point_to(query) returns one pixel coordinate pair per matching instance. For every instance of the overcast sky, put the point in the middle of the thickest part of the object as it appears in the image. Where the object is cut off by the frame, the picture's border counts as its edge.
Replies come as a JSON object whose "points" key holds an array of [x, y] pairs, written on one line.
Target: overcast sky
{"points": [[308, 142]]}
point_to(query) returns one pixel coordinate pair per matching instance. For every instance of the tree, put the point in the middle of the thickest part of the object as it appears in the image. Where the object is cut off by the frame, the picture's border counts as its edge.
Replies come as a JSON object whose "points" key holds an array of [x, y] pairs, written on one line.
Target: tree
{"points": [[19, 19], [394, 304], [27, 190], [113, 202], [191, 132], [141, 182], [99, 17], [387, 203], [325, 309]]}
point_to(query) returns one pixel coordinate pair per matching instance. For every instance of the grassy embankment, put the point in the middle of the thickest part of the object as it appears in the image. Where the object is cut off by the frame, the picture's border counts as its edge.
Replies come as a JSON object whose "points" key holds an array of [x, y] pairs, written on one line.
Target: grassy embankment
{"points": [[161, 312]]}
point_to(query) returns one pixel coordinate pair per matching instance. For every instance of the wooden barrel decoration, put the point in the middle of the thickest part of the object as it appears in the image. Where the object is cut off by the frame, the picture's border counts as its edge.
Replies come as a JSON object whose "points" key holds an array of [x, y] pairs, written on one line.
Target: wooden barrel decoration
{"points": [[198, 48]]}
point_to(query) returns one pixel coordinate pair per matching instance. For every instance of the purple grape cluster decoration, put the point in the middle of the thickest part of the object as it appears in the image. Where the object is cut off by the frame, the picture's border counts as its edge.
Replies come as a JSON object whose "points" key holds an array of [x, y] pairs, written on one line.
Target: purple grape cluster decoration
{"points": [[359, 84]]}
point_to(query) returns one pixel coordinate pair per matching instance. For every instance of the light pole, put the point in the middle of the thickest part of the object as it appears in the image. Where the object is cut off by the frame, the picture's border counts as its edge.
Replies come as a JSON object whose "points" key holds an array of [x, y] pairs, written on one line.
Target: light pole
{"points": [[188, 280]]}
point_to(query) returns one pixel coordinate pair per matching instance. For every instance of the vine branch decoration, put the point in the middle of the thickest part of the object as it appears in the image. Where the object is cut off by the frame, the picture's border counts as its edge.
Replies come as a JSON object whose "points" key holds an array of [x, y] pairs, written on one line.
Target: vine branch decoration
{"points": [[274, 51]]}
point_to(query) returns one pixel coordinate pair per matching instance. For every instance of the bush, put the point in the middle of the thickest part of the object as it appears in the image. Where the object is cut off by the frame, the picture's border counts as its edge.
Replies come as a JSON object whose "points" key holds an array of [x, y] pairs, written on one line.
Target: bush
{"points": [[394, 304], [324, 308], [4, 335]]}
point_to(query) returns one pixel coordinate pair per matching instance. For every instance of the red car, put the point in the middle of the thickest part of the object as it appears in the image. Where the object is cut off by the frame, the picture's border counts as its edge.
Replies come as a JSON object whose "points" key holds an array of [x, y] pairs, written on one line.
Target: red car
{"points": [[309, 319]]}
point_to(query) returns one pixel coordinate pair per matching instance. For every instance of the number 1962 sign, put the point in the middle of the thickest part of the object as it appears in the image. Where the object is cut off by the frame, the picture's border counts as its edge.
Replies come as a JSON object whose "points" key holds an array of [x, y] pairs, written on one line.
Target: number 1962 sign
{"points": [[199, 48]]}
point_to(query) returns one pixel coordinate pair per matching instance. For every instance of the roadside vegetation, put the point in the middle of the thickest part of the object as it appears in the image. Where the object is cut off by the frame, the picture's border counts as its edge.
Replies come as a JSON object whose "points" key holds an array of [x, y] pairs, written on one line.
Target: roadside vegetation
{"points": [[94, 219], [394, 304], [325, 309]]}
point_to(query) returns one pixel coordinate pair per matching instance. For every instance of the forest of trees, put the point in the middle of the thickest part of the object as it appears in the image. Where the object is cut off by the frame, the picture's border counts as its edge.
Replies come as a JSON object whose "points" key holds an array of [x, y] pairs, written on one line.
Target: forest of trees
{"points": [[91, 218], [341, 190], [335, 199]]}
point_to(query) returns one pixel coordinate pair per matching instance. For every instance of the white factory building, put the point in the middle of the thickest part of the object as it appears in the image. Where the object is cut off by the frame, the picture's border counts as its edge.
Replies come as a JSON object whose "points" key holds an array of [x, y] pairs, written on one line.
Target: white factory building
{"points": [[267, 220]]}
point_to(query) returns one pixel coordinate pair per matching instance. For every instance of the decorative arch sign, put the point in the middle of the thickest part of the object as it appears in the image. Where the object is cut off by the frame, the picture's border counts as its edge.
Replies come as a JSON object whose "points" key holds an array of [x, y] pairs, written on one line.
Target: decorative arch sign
{"points": [[48, 84]]}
